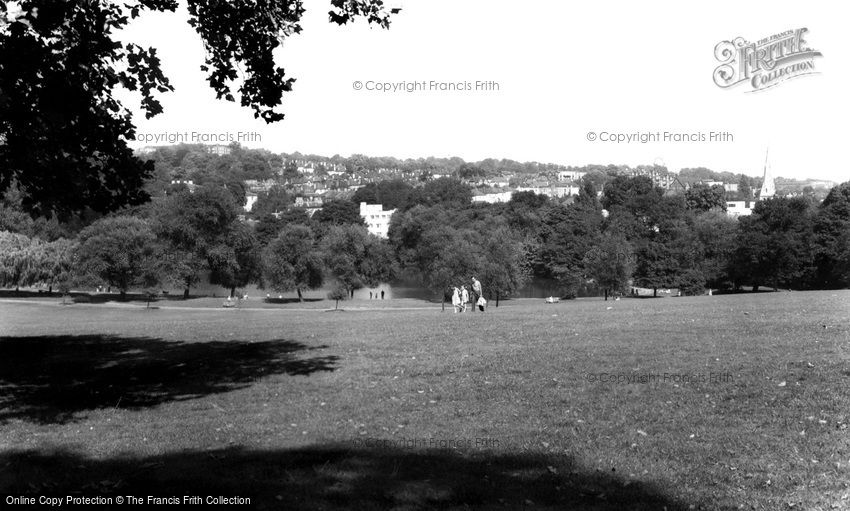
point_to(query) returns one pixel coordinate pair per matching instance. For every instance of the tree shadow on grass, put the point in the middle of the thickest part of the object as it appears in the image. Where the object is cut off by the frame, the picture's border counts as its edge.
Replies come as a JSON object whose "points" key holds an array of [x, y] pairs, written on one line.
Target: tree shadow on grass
{"points": [[50, 379], [335, 477]]}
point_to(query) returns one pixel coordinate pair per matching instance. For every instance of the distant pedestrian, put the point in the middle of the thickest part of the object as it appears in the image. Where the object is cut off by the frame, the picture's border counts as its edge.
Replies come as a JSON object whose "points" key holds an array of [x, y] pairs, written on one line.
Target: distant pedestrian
{"points": [[464, 298], [382, 294], [476, 291], [456, 299]]}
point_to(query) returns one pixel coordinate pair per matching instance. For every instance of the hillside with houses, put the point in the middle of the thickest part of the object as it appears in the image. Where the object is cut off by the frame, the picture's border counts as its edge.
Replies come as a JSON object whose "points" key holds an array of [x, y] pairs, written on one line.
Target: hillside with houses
{"points": [[308, 181]]}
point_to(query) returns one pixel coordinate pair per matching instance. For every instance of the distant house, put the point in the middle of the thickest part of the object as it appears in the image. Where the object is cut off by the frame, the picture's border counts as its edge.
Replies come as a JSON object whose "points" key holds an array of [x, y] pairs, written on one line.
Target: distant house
{"points": [[257, 186], [536, 189], [498, 183], [570, 175], [563, 191], [493, 198], [304, 189], [738, 208], [218, 149], [377, 220], [308, 201], [551, 191], [728, 187], [305, 167], [821, 183]]}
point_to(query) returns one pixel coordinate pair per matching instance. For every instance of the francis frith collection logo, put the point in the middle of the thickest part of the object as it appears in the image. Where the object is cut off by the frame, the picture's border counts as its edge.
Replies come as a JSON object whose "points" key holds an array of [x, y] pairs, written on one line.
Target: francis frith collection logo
{"points": [[766, 63]]}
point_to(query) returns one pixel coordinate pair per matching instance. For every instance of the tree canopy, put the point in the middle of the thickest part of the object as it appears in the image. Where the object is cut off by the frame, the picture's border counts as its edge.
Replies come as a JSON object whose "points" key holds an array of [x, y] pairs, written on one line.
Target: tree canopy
{"points": [[120, 251], [64, 133], [293, 261]]}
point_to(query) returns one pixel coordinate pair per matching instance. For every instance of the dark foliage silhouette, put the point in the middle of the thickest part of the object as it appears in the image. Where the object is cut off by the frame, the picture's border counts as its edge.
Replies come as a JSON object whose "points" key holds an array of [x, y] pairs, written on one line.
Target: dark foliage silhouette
{"points": [[53, 378], [334, 477]]}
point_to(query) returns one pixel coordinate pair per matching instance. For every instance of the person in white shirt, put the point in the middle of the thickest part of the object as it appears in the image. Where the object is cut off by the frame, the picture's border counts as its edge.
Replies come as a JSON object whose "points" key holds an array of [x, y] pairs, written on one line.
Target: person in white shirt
{"points": [[455, 299]]}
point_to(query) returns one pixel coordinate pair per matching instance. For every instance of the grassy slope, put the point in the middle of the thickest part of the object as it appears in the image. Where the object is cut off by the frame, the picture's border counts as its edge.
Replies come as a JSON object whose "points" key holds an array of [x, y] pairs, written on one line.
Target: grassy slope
{"points": [[143, 413]]}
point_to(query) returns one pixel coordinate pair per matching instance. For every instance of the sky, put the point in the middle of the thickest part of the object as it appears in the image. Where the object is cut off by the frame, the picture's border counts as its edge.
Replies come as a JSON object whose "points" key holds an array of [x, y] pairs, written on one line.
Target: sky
{"points": [[553, 75]]}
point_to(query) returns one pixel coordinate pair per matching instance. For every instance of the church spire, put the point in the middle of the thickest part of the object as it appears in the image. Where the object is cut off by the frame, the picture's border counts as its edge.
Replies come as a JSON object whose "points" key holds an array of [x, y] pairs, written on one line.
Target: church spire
{"points": [[768, 187]]}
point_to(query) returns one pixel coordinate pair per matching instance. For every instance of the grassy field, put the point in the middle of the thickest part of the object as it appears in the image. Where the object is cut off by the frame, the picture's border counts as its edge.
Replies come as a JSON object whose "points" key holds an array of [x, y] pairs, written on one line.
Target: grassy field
{"points": [[724, 402]]}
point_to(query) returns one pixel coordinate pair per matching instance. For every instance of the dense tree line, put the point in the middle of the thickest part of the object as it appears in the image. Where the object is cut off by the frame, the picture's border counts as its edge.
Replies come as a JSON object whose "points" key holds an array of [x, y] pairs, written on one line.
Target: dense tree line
{"points": [[176, 240], [631, 234]]}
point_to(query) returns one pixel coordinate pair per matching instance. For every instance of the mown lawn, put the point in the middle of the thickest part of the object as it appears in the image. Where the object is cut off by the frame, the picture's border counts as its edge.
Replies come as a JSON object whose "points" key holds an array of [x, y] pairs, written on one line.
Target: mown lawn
{"points": [[746, 403]]}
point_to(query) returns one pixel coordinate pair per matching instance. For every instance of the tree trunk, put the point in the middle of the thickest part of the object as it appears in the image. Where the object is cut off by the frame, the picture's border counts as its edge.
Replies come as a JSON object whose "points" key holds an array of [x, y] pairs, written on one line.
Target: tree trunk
{"points": [[300, 298], [186, 293], [443, 303], [755, 288], [497, 298], [50, 289], [606, 294], [336, 307], [655, 292], [232, 291], [123, 295]]}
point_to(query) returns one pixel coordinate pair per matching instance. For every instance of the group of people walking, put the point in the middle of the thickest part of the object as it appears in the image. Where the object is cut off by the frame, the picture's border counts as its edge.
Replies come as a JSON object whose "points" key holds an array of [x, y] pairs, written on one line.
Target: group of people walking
{"points": [[461, 297]]}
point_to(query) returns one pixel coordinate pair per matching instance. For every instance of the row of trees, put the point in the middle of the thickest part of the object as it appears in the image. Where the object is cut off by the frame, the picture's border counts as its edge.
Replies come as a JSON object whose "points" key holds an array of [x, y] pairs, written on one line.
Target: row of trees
{"points": [[27, 262], [633, 234], [177, 240], [688, 242]]}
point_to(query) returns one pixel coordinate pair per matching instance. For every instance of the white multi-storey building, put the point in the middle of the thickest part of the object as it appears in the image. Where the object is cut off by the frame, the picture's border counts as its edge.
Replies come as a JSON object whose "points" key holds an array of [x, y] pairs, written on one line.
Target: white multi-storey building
{"points": [[377, 220]]}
